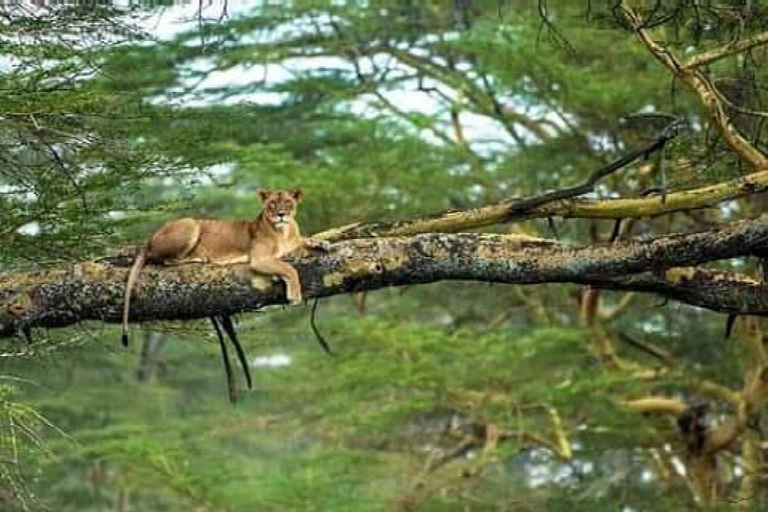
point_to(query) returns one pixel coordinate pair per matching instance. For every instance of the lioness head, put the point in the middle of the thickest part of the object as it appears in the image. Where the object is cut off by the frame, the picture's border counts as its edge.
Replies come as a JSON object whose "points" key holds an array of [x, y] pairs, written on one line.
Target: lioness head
{"points": [[280, 206]]}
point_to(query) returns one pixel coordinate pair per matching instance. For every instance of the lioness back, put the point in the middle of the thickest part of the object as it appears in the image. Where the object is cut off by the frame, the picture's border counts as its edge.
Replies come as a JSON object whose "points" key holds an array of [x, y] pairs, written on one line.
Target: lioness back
{"points": [[223, 238]]}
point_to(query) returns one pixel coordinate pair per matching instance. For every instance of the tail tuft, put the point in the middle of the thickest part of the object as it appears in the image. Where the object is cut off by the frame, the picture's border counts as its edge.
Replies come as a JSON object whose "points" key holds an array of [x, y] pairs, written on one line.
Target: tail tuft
{"points": [[125, 340]]}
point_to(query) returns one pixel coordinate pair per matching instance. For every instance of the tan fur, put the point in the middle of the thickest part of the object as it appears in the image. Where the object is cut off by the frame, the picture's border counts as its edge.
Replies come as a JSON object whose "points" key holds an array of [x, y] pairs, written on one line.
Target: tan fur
{"points": [[260, 243]]}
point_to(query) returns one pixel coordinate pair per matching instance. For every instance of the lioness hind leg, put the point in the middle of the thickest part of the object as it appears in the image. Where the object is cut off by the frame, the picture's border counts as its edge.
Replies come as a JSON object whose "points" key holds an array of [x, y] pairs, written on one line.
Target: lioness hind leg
{"points": [[176, 262], [175, 241], [232, 260]]}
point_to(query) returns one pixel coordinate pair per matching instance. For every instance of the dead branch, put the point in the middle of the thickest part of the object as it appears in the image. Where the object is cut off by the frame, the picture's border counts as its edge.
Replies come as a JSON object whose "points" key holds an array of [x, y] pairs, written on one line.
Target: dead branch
{"points": [[516, 209]]}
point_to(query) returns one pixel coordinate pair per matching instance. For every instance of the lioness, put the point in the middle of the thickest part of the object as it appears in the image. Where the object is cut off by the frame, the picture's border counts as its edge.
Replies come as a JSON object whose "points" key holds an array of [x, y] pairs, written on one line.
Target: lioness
{"points": [[260, 242]]}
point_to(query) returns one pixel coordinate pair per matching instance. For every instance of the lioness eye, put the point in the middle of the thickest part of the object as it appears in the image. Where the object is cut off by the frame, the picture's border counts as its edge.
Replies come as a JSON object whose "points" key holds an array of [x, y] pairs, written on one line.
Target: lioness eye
{"points": [[272, 204]]}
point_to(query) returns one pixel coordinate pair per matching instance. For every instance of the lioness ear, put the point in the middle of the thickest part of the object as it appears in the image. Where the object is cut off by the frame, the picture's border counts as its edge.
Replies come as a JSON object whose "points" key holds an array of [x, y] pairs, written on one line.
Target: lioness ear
{"points": [[264, 194], [296, 194]]}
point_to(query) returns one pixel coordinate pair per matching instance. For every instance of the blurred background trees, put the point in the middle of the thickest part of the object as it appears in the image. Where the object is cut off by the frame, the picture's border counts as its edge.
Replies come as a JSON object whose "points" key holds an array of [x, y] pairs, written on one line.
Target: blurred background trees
{"points": [[452, 396]]}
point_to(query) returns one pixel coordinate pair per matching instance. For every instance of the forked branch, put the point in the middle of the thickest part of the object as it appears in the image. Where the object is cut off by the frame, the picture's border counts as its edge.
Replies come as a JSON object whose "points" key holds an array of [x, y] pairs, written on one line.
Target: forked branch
{"points": [[692, 76]]}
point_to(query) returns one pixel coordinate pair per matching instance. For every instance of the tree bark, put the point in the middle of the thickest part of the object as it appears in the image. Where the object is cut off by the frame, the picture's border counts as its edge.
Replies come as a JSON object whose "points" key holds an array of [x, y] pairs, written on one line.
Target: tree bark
{"points": [[93, 290]]}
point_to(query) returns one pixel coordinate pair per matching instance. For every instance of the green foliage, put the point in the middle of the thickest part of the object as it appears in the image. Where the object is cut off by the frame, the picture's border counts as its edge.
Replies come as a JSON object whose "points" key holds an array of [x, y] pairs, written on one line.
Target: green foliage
{"points": [[106, 141]]}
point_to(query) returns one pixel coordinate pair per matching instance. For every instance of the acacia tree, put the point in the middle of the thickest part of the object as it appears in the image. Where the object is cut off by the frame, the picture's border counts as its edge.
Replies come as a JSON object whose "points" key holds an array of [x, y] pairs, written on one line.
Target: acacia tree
{"points": [[627, 179]]}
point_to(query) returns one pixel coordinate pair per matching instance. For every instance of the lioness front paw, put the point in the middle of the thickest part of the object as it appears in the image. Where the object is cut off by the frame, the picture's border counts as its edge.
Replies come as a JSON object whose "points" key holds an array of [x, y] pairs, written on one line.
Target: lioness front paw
{"points": [[294, 297]]}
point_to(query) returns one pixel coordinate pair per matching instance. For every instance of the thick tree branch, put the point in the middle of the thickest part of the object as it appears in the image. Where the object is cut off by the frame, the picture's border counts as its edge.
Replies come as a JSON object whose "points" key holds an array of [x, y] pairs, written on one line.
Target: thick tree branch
{"points": [[93, 290]]}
